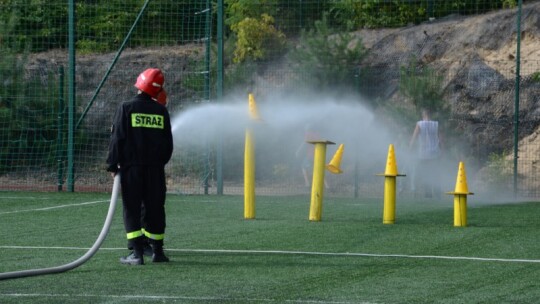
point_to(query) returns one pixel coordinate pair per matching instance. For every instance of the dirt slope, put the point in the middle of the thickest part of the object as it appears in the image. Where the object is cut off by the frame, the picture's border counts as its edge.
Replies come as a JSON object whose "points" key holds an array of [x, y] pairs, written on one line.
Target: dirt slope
{"points": [[478, 56]]}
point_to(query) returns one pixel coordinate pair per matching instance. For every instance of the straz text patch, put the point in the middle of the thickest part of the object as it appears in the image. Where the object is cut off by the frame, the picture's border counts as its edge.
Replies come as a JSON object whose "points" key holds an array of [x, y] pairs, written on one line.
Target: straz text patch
{"points": [[140, 120]]}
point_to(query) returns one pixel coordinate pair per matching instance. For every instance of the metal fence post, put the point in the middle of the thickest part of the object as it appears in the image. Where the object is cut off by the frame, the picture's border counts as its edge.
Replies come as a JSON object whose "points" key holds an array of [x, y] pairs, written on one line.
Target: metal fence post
{"points": [[219, 88], [71, 96], [60, 125], [516, 101]]}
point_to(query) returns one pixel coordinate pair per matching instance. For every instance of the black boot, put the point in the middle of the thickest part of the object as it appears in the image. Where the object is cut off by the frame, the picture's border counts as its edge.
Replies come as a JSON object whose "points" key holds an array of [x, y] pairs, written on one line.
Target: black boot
{"points": [[135, 257], [159, 255], [147, 249]]}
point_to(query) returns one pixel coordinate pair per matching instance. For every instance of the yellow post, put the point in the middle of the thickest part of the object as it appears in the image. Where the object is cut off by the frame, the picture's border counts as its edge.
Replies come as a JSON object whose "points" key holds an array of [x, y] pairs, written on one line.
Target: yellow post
{"points": [[249, 177], [249, 163], [460, 197], [390, 173], [460, 210], [389, 207], [253, 111], [317, 184]]}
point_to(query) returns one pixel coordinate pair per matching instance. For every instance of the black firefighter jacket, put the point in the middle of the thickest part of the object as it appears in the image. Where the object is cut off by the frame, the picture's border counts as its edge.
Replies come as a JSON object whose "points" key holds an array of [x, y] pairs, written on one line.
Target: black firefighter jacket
{"points": [[140, 135]]}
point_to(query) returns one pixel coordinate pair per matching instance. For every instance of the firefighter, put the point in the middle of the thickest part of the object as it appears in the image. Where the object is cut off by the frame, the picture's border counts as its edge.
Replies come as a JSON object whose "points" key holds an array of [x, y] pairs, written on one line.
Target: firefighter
{"points": [[141, 145]]}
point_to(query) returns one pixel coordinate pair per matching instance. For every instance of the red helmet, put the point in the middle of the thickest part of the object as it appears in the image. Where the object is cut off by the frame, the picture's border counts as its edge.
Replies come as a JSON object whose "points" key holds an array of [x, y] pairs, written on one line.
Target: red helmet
{"points": [[150, 81], [161, 98]]}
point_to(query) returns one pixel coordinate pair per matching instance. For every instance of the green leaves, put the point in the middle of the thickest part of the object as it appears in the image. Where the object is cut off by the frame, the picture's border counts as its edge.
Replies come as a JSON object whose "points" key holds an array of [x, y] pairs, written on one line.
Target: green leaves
{"points": [[328, 58], [257, 39], [422, 85]]}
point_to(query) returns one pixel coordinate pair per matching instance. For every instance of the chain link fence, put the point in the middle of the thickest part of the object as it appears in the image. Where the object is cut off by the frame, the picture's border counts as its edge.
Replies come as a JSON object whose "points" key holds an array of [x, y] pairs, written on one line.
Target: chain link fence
{"points": [[357, 71]]}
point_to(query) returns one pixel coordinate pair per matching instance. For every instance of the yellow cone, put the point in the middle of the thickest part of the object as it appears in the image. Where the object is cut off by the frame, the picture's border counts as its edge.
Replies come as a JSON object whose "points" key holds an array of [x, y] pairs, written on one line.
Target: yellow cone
{"points": [[391, 165], [461, 182], [253, 112], [334, 165]]}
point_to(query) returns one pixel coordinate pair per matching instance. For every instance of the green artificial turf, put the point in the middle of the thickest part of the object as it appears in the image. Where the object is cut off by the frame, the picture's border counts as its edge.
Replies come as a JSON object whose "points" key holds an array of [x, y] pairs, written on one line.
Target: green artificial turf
{"points": [[217, 256]]}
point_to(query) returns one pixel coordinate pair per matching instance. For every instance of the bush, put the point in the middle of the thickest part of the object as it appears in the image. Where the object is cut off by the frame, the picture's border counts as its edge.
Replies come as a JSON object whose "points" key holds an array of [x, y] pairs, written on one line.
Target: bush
{"points": [[328, 59], [257, 39], [377, 13], [422, 85], [27, 116], [498, 171]]}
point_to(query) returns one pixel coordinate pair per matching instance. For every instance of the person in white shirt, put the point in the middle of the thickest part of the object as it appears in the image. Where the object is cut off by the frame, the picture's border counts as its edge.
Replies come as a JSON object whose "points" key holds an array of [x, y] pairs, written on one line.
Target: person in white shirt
{"points": [[427, 140]]}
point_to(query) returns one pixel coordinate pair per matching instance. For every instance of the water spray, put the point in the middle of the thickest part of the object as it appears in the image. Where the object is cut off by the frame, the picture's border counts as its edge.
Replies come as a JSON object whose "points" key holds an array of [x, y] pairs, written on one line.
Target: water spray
{"points": [[82, 259], [285, 117]]}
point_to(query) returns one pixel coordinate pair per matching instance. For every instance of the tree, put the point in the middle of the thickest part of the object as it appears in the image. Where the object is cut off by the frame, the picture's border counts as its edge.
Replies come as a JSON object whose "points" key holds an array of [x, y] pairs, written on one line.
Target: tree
{"points": [[257, 39], [328, 59], [422, 85]]}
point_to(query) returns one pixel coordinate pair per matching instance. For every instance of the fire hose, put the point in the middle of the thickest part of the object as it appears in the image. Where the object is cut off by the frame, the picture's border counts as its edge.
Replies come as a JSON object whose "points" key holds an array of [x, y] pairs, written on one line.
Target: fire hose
{"points": [[82, 259]]}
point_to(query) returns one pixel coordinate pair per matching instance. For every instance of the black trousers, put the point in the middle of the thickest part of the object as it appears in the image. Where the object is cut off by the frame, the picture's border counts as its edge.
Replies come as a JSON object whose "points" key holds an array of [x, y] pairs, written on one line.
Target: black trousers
{"points": [[144, 187]]}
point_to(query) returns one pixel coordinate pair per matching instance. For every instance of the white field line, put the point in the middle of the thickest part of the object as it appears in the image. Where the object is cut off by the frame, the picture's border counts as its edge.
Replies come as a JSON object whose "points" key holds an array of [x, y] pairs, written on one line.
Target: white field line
{"points": [[270, 251], [314, 253], [54, 207], [164, 298], [26, 197]]}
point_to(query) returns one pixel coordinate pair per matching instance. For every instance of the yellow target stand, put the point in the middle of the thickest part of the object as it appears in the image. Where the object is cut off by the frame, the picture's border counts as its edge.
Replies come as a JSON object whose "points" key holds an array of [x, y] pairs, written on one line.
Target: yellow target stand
{"points": [[460, 197], [390, 174], [317, 184], [249, 163]]}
